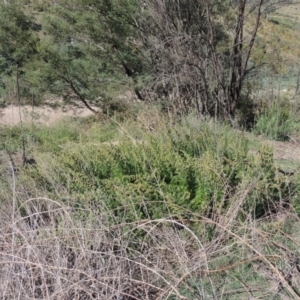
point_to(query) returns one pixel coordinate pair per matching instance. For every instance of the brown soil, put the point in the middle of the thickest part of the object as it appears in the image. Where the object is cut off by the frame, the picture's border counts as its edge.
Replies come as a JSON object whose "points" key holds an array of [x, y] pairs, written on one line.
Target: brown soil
{"points": [[286, 150], [286, 154], [46, 115]]}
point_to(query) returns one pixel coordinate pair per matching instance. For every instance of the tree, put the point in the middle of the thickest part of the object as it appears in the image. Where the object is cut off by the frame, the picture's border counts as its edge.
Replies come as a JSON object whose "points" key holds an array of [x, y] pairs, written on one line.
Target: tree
{"points": [[89, 51], [18, 40], [185, 45], [184, 54]]}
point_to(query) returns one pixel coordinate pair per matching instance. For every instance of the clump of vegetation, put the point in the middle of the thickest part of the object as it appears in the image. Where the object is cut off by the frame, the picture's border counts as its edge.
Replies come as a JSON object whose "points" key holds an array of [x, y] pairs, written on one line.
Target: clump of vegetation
{"points": [[118, 210], [189, 166], [276, 122]]}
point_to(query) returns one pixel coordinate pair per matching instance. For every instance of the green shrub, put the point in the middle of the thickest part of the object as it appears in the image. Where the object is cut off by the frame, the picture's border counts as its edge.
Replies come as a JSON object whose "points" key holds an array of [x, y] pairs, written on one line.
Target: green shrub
{"points": [[276, 122], [192, 166], [11, 138]]}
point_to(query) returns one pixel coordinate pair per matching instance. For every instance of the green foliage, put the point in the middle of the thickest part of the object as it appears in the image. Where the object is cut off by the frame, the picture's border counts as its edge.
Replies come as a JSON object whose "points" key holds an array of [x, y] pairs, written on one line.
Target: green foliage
{"points": [[295, 198], [276, 122], [11, 138], [51, 139], [195, 166], [17, 39], [19, 44], [85, 50], [94, 51], [271, 189]]}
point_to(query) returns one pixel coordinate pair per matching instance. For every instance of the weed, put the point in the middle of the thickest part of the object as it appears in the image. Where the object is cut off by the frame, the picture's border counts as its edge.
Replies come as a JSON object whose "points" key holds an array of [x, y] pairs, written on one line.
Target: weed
{"points": [[193, 166], [276, 122]]}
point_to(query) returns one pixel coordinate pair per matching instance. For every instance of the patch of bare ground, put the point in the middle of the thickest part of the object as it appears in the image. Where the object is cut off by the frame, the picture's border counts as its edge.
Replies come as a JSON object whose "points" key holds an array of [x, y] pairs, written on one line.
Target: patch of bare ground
{"points": [[291, 11], [46, 115], [289, 151], [286, 154]]}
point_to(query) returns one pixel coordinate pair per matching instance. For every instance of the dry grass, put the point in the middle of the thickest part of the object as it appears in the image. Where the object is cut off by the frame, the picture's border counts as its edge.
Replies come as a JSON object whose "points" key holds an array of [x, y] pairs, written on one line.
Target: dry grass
{"points": [[51, 251]]}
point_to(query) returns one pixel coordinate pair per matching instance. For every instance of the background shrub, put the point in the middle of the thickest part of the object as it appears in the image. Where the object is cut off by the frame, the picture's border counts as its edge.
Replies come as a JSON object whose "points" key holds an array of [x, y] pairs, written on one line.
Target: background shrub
{"points": [[195, 165], [276, 122]]}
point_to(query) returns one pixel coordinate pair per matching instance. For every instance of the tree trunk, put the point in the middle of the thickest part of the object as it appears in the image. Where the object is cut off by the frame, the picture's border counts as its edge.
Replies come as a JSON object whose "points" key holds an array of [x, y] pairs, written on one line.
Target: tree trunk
{"points": [[240, 55]]}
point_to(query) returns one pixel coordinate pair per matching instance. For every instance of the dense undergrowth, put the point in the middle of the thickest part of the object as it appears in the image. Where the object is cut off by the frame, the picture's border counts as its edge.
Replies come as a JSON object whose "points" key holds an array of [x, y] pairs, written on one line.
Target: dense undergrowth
{"points": [[181, 209], [278, 120]]}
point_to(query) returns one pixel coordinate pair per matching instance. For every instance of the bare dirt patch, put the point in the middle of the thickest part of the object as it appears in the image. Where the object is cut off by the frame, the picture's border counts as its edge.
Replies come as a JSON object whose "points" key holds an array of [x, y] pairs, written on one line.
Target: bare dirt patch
{"points": [[286, 154], [285, 150], [46, 115]]}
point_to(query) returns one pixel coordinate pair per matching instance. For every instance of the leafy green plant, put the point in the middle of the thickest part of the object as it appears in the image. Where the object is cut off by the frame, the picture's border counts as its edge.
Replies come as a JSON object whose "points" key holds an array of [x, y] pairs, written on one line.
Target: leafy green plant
{"points": [[191, 166], [276, 122], [11, 138]]}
